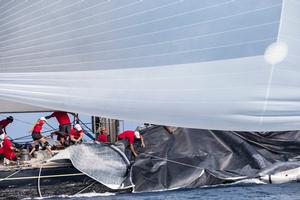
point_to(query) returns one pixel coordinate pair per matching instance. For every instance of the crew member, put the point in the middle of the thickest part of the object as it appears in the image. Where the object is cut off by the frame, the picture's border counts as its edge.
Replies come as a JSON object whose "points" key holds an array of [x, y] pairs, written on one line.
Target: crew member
{"points": [[130, 136], [76, 134], [64, 125], [7, 148], [5, 122], [38, 137], [102, 137]]}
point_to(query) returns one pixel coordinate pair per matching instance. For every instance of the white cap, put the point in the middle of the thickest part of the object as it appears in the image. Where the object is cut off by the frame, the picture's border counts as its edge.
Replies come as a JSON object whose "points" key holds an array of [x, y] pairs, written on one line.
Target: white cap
{"points": [[43, 119], [78, 127], [137, 134], [2, 136]]}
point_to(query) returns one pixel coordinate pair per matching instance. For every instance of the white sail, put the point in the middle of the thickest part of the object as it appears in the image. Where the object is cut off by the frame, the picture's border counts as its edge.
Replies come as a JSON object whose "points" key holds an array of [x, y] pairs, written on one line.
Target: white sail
{"points": [[212, 64]]}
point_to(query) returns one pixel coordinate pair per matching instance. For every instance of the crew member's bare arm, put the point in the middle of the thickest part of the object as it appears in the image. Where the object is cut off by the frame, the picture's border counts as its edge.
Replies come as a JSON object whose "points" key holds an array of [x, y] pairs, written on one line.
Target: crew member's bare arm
{"points": [[133, 150], [142, 140]]}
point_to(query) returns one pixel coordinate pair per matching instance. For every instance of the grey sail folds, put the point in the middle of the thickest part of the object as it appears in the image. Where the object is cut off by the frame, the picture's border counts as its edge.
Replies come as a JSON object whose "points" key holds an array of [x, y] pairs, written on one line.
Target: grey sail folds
{"points": [[190, 158], [100, 162]]}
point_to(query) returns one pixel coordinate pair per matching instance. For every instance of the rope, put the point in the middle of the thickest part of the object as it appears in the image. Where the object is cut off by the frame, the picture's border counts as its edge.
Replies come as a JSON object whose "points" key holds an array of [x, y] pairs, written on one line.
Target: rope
{"points": [[85, 125], [172, 161], [86, 187], [3, 179], [51, 127], [39, 181]]}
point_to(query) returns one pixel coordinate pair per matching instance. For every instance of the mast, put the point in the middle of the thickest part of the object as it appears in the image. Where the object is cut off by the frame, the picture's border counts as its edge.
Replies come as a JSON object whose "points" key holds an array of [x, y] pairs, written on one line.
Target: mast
{"points": [[111, 125]]}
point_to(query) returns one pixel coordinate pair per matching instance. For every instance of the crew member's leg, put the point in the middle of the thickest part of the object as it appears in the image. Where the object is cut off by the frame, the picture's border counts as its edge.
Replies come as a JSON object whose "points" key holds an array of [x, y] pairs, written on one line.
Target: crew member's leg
{"points": [[35, 148], [46, 145]]}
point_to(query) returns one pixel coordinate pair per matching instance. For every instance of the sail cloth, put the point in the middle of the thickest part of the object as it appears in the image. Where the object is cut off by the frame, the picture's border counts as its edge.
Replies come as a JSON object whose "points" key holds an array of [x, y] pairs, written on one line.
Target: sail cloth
{"points": [[101, 162], [211, 64], [190, 158]]}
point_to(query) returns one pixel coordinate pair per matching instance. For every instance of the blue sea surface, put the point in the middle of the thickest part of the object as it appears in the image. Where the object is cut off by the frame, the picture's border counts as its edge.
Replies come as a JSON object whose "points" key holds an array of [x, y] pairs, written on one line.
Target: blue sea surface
{"points": [[290, 191]]}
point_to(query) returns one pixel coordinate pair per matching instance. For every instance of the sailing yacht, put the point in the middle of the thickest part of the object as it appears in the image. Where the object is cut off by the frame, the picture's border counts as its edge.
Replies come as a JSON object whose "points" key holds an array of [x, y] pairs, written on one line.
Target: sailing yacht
{"points": [[214, 66]]}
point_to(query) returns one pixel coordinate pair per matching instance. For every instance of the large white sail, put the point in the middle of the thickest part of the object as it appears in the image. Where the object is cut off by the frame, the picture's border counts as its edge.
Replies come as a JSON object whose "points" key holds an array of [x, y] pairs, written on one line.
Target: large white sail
{"points": [[213, 64]]}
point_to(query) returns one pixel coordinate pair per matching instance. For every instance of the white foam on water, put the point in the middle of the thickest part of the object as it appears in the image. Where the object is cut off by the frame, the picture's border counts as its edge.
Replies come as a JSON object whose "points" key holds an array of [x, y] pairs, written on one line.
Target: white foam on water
{"points": [[91, 194]]}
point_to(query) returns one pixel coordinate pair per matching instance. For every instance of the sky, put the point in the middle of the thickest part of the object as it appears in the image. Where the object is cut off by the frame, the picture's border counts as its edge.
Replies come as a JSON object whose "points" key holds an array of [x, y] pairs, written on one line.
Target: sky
{"points": [[23, 123]]}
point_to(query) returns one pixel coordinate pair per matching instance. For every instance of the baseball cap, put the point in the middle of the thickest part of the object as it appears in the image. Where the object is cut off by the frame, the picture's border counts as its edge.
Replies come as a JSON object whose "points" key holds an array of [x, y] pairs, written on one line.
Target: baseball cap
{"points": [[78, 127], [137, 134], [43, 119]]}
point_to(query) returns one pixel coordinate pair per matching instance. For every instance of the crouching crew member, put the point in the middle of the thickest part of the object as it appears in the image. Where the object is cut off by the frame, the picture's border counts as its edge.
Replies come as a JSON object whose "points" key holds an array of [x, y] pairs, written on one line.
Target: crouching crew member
{"points": [[130, 136], [37, 136], [76, 134], [5, 122], [64, 125], [7, 148], [102, 137]]}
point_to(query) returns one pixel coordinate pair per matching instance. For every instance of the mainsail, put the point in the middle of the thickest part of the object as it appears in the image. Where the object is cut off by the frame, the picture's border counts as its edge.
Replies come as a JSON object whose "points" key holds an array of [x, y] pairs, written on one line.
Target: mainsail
{"points": [[211, 64]]}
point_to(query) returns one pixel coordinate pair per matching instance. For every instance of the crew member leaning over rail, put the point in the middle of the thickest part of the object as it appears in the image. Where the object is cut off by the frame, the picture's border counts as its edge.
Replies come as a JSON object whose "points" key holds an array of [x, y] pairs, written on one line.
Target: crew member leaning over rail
{"points": [[64, 126], [130, 136]]}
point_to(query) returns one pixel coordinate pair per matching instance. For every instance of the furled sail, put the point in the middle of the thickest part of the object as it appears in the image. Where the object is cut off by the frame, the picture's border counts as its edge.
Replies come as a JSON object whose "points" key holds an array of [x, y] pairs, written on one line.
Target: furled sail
{"points": [[213, 64]]}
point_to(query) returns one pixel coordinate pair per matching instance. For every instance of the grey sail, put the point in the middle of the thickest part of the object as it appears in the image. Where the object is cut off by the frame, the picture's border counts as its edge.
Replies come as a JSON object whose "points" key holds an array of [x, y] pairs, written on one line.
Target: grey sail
{"points": [[104, 163]]}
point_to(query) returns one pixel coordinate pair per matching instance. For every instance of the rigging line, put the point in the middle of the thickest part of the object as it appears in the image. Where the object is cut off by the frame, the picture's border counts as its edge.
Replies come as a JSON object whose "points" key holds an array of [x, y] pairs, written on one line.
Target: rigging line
{"points": [[39, 181], [3, 179], [33, 19], [147, 56], [85, 125], [127, 48], [26, 136], [172, 161], [137, 35], [11, 8], [25, 122], [51, 126], [89, 16], [86, 188], [147, 22]]}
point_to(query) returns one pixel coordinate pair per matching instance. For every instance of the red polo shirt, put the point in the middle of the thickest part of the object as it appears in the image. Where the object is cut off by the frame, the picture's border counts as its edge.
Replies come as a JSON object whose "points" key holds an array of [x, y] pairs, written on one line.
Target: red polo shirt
{"points": [[102, 137], [6, 149], [4, 123], [129, 135], [62, 117], [76, 134], [38, 126]]}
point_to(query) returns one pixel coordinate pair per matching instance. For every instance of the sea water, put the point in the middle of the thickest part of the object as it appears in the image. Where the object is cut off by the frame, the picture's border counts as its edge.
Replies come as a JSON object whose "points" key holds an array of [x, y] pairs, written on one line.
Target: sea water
{"points": [[245, 191]]}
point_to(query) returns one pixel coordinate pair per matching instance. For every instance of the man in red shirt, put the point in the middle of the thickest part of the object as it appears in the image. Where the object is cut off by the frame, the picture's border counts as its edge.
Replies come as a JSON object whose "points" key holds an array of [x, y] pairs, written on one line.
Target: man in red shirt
{"points": [[38, 137], [102, 137], [5, 122], [64, 125], [7, 148], [76, 134], [130, 136]]}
